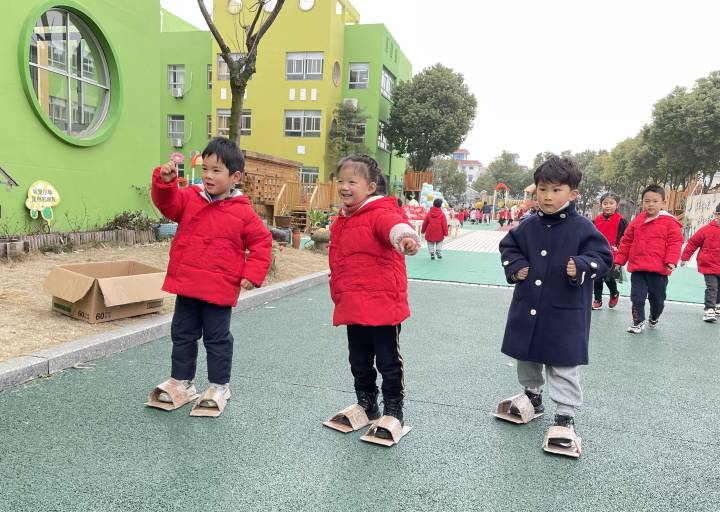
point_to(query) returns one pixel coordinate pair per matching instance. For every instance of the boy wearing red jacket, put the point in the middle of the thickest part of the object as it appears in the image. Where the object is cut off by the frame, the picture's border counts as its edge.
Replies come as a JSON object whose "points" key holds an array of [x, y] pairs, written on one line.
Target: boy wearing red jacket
{"points": [[651, 247], [707, 239], [221, 245], [435, 228]]}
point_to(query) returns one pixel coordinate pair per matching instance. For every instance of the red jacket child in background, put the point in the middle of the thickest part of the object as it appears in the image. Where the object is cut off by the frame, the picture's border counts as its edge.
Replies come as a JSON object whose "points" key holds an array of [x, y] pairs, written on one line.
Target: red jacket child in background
{"points": [[435, 227], [651, 247], [220, 246], [707, 239], [612, 225], [368, 284]]}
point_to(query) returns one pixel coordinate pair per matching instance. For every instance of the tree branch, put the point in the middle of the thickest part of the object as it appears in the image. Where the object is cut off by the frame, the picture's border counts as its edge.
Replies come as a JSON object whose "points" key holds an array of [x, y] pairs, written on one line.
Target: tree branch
{"points": [[224, 48]]}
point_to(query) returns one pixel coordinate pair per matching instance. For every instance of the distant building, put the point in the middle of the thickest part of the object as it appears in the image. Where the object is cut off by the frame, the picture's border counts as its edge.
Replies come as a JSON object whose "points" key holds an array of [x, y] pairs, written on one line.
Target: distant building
{"points": [[470, 168]]}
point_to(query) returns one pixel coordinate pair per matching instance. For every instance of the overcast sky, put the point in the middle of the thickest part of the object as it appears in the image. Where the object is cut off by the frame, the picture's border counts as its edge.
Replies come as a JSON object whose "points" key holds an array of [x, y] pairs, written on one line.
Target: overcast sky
{"points": [[550, 75]]}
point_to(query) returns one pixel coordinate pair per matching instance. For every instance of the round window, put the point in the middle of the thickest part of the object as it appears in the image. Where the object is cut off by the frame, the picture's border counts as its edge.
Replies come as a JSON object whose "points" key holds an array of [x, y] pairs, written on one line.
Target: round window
{"points": [[69, 74], [306, 5], [336, 73], [234, 6], [270, 5]]}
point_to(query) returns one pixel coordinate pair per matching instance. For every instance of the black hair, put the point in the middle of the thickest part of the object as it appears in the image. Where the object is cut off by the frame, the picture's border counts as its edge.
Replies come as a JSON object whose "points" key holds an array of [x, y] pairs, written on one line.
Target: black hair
{"points": [[560, 170], [370, 169], [654, 188], [611, 195], [717, 208], [226, 152], [437, 203]]}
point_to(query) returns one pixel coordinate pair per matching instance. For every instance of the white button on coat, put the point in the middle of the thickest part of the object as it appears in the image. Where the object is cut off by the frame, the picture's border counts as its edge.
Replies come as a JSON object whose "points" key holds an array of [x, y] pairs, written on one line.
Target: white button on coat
{"points": [[506, 263], [543, 253], [533, 312], [538, 282], [562, 215], [593, 264]]}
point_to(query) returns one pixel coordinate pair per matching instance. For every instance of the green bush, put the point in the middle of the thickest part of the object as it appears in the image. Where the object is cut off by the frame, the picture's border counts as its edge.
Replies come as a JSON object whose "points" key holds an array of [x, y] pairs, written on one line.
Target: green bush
{"points": [[135, 220]]}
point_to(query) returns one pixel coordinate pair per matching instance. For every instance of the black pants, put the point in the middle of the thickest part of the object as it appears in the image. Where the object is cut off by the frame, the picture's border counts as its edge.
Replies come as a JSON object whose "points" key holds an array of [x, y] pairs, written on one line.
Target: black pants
{"points": [[379, 346], [712, 290], [193, 319], [598, 287], [651, 286]]}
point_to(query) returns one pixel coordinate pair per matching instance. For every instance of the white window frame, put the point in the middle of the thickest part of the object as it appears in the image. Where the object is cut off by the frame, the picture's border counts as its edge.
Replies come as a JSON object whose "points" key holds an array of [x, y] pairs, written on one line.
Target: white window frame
{"points": [[309, 175], [382, 141], [180, 170], [387, 84], [223, 71], [57, 110], [246, 122], [303, 123], [359, 135], [209, 76], [304, 65], [209, 126], [176, 126], [359, 75], [223, 121], [176, 76]]}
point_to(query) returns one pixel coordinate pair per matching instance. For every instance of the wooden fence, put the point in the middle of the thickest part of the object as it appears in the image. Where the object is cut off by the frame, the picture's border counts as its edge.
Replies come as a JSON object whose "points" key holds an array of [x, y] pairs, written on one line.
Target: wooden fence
{"points": [[324, 195], [31, 243], [415, 179]]}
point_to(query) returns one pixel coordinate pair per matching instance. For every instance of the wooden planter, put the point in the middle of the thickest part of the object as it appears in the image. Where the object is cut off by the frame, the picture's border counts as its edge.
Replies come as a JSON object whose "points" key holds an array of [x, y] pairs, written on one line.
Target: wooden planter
{"points": [[11, 247], [282, 221]]}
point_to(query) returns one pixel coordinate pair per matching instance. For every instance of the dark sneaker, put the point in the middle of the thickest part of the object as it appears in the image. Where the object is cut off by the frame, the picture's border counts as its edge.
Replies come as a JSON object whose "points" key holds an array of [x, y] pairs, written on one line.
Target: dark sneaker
{"points": [[432, 255], [597, 304], [613, 300], [368, 401], [652, 322], [439, 255], [535, 400], [391, 407], [567, 422]]}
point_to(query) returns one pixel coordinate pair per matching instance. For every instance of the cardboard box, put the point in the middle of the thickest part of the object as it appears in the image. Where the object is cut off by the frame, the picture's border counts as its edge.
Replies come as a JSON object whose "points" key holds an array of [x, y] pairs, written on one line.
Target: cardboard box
{"points": [[100, 292]]}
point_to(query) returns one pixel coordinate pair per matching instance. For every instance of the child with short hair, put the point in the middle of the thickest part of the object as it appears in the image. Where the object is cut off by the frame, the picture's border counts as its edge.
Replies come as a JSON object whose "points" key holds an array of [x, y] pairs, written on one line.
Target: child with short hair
{"points": [[612, 225], [651, 247], [707, 239], [553, 258], [221, 245], [435, 228], [368, 283]]}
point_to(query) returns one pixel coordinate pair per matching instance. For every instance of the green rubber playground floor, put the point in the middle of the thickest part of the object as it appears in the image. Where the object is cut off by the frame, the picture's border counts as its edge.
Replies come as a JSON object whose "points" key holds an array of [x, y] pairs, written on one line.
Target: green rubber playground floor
{"points": [[685, 285], [82, 440]]}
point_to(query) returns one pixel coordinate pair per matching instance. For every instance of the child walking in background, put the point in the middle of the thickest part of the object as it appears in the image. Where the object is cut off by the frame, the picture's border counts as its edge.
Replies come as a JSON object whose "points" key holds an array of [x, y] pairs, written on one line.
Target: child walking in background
{"points": [[612, 225], [553, 258], [707, 239], [651, 247], [435, 228], [368, 283], [221, 245]]}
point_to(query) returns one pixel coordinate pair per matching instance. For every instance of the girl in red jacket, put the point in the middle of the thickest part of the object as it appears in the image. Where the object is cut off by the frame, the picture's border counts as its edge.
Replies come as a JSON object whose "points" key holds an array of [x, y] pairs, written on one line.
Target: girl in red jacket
{"points": [[707, 239], [435, 227], [221, 245], [368, 284], [611, 224], [651, 247]]}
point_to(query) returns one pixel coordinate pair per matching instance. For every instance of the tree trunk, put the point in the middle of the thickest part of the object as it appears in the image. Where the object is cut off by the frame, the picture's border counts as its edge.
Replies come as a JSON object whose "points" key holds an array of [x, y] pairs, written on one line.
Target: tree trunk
{"points": [[238, 97]]}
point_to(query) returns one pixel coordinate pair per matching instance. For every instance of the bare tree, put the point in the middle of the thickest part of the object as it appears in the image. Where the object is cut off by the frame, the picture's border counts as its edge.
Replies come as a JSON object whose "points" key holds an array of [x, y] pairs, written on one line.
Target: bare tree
{"points": [[242, 68]]}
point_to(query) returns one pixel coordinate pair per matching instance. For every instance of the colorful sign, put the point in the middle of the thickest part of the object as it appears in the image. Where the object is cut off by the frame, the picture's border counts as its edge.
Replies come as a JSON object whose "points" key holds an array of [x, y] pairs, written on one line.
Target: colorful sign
{"points": [[42, 196], [699, 210]]}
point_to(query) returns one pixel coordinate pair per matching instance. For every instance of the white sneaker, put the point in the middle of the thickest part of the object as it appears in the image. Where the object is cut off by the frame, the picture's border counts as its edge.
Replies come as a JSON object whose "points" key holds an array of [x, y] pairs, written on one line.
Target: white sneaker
{"points": [[636, 328], [189, 387], [223, 388], [717, 309], [709, 315]]}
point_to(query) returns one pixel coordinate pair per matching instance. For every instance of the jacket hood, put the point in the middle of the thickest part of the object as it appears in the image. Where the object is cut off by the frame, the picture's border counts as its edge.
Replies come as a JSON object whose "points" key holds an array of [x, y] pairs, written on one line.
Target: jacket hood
{"points": [[235, 195], [435, 212], [374, 202], [663, 216]]}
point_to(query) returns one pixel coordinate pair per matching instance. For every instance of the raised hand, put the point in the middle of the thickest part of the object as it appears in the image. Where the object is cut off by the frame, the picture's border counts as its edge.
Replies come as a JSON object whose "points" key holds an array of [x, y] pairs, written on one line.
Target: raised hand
{"points": [[168, 172]]}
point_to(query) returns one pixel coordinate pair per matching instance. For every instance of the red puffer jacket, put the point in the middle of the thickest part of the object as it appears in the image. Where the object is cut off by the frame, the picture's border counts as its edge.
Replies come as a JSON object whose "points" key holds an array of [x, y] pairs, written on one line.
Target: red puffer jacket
{"points": [[208, 254], [651, 245], [368, 280], [435, 225], [707, 238]]}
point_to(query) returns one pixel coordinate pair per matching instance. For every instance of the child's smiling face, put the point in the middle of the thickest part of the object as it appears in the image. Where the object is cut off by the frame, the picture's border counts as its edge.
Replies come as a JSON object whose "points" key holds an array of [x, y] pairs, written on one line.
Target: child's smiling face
{"points": [[217, 178], [352, 184], [553, 196], [609, 205]]}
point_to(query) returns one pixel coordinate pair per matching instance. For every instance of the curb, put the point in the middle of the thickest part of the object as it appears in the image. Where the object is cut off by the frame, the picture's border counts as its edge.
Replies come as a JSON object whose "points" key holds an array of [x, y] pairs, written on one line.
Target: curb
{"points": [[52, 360]]}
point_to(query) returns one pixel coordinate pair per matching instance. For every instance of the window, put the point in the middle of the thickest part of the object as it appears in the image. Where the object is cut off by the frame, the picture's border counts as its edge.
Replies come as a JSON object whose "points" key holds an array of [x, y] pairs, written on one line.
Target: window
{"points": [[209, 126], [223, 122], [209, 76], [359, 75], [223, 72], [357, 133], [306, 5], [302, 123], [176, 76], [176, 127], [388, 81], [69, 73], [304, 66], [180, 169], [309, 175], [336, 73], [382, 142]]}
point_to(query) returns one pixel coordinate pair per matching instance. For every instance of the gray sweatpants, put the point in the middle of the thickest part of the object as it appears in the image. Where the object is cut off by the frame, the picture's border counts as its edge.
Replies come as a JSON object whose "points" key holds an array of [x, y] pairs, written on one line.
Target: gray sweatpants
{"points": [[712, 291], [434, 247], [563, 384]]}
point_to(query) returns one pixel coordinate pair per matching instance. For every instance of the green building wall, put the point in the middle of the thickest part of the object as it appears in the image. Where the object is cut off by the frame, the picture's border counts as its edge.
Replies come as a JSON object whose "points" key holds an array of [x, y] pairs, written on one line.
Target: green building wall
{"points": [[95, 182], [374, 44]]}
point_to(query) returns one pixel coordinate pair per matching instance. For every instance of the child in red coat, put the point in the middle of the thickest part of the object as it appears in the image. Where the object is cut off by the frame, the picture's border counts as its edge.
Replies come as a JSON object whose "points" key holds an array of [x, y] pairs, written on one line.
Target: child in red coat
{"points": [[435, 227], [707, 239], [612, 225], [368, 283], [221, 245], [651, 247]]}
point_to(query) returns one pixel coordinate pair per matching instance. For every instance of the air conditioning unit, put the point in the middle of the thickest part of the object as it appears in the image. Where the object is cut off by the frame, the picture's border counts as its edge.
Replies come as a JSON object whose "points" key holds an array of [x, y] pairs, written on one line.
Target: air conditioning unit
{"points": [[177, 142], [351, 103], [177, 92]]}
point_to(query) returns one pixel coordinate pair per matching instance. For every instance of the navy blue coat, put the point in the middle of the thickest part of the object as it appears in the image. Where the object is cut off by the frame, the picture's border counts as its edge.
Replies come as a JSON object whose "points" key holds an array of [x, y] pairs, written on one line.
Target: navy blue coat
{"points": [[549, 317]]}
